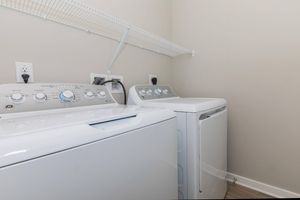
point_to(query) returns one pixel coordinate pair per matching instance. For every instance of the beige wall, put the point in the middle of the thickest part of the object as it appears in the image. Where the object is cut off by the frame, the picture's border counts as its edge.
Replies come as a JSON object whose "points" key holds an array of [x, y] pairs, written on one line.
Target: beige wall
{"points": [[248, 51], [62, 54]]}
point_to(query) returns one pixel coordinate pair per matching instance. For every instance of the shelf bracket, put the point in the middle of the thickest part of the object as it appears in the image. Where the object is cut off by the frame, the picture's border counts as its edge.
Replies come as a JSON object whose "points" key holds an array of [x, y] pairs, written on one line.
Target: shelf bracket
{"points": [[119, 49]]}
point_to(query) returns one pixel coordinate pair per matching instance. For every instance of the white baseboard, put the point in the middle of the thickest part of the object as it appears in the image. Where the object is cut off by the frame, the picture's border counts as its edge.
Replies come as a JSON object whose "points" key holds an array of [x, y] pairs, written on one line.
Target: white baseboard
{"points": [[262, 187]]}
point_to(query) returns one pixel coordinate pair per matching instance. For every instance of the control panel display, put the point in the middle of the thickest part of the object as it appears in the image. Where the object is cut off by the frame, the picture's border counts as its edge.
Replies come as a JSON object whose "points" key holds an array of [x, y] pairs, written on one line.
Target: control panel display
{"points": [[16, 98], [154, 92]]}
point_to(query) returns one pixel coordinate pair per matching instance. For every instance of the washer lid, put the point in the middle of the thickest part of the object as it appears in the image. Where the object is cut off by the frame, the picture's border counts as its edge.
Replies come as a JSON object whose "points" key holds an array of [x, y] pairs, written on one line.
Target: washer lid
{"points": [[28, 138], [187, 104]]}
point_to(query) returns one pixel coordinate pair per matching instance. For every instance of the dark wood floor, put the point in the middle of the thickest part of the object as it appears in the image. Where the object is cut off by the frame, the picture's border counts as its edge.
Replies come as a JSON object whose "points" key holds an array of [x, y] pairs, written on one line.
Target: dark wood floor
{"points": [[239, 192]]}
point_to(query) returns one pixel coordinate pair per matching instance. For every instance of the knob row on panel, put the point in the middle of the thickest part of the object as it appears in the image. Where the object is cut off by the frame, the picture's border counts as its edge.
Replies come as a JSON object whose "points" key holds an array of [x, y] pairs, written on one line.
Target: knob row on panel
{"points": [[65, 96], [91, 95], [157, 91]]}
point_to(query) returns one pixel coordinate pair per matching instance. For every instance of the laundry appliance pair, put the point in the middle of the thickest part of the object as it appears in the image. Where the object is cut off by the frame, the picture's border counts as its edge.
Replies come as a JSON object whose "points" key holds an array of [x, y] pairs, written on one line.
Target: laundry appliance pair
{"points": [[73, 141]]}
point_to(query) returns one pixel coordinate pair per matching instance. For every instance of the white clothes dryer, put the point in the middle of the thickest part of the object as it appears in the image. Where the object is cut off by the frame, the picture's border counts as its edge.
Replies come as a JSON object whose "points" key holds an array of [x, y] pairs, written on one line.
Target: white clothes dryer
{"points": [[202, 139]]}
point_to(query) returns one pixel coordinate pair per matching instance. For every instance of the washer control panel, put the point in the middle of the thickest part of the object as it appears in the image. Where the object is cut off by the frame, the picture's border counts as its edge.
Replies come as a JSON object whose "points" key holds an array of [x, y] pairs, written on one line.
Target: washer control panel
{"points": [[154, 92], [15, 98]]}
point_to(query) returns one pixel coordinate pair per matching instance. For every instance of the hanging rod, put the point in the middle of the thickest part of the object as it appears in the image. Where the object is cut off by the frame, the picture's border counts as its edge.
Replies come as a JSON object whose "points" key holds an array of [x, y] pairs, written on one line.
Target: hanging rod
{"points": [[76, 14]]}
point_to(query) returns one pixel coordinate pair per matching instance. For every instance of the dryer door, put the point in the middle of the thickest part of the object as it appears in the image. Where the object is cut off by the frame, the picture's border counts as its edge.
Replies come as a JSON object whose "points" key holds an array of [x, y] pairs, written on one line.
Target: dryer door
{"points": [[213, 154]]}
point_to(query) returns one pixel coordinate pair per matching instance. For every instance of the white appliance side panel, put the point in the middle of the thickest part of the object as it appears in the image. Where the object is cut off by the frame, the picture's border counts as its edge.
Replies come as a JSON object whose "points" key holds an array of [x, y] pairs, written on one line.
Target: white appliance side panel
{"points": [[182, 155], [193, 155], [213, 154], [140, 164]]}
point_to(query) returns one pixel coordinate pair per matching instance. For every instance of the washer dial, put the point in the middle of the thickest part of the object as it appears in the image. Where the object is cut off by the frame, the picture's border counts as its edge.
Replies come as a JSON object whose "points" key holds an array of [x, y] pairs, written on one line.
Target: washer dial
{"points": [[40, 96], [89, 94], [17, 97], [102, 94], [67, 96]]}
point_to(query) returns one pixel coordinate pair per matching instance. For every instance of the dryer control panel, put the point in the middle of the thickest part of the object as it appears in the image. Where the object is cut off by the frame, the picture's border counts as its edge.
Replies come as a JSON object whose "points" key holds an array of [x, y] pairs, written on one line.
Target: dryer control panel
{"points": [[15, 98], [150, 92]]}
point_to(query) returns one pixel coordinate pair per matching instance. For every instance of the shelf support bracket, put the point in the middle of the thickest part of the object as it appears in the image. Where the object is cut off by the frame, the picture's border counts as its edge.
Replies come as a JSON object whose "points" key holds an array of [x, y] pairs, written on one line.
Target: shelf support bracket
{"points": [[118, 50]]}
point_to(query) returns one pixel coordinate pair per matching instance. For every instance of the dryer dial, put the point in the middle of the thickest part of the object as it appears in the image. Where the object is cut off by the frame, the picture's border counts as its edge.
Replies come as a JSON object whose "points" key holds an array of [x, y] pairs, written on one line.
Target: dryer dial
{"points": [[149, 92], [166, 91], [142, 93]]}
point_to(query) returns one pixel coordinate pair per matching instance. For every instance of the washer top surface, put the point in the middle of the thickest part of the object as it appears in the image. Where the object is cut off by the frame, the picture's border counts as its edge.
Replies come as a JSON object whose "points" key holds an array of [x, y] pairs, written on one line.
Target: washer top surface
{"points": [[22, 125], [164, 97]]}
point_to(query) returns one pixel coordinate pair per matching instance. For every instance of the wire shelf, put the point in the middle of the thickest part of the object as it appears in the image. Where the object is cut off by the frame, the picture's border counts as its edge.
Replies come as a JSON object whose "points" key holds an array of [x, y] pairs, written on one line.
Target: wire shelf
{"points": [[76, 14]]}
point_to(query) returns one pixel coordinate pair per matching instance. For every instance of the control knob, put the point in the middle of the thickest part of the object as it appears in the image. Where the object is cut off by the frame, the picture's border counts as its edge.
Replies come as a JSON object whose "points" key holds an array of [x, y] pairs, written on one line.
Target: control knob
{"points": [[149, 92], [102, 94], [40, 96], [142, 93], [67, 96], [17, 97], [89, 94], [165, 91], [158, 91]]}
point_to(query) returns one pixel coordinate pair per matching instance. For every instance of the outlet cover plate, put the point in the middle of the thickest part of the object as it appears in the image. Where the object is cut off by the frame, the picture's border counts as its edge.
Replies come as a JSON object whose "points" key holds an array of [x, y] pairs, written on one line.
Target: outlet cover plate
{"points": [[94, 75], [114, 87], [24, 68], [152, 76]]}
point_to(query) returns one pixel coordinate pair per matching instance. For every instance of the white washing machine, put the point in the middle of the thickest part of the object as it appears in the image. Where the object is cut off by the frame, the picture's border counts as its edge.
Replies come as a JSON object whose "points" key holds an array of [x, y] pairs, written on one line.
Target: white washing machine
{"points": [[74, 142], [202, 136]]}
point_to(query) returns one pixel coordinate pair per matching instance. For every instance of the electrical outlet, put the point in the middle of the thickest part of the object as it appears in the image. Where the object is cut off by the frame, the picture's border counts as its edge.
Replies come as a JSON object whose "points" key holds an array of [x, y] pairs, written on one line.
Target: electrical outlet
{"points": [[102, 77], [24, 68], [115, 88], [150, 78]]}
